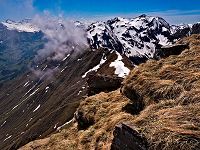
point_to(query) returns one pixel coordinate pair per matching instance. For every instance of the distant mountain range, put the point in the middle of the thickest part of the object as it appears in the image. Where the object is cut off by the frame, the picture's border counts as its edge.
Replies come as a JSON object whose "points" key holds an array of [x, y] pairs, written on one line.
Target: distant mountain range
{"points": [[137, 38]]}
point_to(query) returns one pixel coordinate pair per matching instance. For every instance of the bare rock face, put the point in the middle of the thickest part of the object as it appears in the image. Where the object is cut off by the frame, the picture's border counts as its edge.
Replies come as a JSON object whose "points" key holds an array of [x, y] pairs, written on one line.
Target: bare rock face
{"points": [[137, 104], [103, 83], [126, 137], [175, 49]]}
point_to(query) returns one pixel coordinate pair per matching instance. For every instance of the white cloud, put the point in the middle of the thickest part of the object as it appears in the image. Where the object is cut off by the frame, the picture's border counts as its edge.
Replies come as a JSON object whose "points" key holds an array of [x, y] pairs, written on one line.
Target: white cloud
{"points": [[64, 39]]}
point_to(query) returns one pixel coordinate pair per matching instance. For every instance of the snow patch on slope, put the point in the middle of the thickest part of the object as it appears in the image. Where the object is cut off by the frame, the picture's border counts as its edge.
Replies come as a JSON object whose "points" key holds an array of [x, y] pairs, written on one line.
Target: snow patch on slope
{"points": [[163, 40], [120, 69], [3, 123], [60, 127], [36, 108], [7, 138]]}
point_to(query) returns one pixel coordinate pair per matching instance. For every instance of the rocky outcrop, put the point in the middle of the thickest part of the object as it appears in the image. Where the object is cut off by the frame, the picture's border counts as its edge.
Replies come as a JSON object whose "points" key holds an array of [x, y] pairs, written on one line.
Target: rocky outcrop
{"points": [[82, 120], [196, 28], [139, 59], [166, 51], [103, 83], [126, 137], [182, 32]]}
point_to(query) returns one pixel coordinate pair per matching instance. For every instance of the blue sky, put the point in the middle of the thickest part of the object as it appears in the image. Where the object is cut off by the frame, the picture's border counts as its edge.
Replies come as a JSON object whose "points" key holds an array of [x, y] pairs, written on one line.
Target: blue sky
{"points": [[174, 11]]}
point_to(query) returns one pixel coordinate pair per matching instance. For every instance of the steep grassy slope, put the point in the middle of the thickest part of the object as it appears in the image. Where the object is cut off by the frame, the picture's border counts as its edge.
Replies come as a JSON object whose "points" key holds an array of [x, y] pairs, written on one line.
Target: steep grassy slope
{"points": [[105, 109], [167, 78], [167, 95], [33, 107], [169, 89]]}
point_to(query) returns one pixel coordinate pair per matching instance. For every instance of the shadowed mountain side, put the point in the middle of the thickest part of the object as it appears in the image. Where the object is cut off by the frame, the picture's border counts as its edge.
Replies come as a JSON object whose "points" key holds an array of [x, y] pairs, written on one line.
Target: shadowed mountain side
{"points": [[33, 107]]}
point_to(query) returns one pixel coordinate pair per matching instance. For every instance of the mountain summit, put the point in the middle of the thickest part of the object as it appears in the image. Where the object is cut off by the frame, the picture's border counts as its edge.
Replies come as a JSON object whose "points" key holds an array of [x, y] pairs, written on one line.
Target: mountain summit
{"points": [[136, 37]]}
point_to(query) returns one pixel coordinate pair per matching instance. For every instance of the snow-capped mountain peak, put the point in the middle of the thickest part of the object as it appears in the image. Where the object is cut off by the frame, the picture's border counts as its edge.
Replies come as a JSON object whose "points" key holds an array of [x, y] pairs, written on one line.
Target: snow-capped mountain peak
{"points": [[132, 37], [22, 26]]}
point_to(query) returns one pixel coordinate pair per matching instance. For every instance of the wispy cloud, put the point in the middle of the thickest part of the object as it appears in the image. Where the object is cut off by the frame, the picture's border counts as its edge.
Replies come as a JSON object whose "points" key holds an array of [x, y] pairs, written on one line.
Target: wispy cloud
{"points": [[64, 39]]}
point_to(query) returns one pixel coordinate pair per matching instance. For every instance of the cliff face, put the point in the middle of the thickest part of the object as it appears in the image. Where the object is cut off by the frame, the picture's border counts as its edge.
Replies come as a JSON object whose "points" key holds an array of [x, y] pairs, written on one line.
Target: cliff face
{"points": [[160, 99]]}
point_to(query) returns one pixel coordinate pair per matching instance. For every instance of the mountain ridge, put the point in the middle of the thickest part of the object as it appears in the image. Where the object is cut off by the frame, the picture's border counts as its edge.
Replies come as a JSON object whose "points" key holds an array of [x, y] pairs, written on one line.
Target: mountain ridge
{"points": [[51, 96], [167, 90]]}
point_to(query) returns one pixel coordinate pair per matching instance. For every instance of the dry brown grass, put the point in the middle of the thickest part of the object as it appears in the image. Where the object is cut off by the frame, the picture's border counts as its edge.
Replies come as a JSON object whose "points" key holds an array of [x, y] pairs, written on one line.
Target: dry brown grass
{"points": [[168, 90], [170, 127], [106, 111], [167, 78]]}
